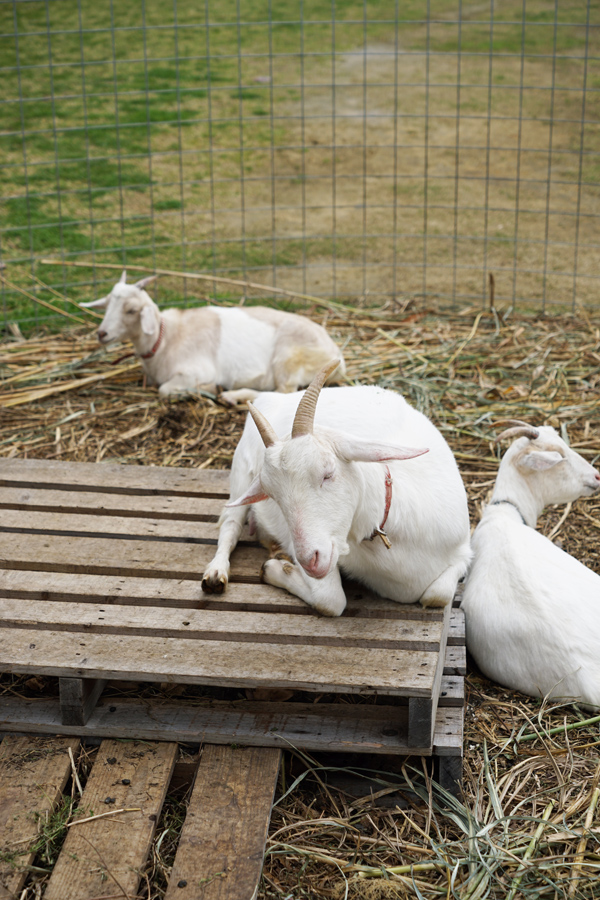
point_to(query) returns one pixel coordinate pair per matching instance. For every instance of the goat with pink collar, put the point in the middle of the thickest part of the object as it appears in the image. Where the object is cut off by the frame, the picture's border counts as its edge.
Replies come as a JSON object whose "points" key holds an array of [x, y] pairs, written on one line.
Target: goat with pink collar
{"points": [[243, 350], [532, 611], [358, 483]]}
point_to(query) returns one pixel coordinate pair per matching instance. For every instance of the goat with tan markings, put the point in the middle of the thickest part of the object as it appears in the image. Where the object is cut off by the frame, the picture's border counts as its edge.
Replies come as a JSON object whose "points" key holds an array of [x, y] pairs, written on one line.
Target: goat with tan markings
{"points": [[242, 350]]}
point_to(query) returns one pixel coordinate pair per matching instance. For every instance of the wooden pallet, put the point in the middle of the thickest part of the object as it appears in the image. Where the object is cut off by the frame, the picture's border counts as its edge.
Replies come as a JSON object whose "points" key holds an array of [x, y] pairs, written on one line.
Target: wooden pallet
{"points": [[221, 845], [100, 569]]}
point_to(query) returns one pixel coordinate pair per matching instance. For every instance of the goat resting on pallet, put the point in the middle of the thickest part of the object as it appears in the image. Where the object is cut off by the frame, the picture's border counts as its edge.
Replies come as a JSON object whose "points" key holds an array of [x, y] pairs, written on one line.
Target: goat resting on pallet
{"points": [[324, 497]]}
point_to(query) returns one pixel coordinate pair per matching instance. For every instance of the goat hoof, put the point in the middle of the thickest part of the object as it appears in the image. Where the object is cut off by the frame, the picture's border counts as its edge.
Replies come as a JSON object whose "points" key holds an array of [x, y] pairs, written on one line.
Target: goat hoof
{"points": [[214, 585]]}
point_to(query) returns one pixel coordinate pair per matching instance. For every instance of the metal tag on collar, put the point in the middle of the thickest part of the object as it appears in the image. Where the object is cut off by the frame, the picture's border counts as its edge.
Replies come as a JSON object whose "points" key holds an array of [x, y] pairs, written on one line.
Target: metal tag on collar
{"points": [[379, 532]]}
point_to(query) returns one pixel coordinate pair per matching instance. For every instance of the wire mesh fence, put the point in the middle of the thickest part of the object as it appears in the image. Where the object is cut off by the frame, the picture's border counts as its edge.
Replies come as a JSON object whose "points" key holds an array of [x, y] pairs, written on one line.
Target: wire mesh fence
{"points": [[388, 148]]}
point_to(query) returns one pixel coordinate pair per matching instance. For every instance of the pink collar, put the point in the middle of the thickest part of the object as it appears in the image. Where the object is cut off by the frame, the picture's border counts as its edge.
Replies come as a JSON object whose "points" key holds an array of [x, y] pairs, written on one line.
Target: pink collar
{"points": [[379, 532], [158, 340]]}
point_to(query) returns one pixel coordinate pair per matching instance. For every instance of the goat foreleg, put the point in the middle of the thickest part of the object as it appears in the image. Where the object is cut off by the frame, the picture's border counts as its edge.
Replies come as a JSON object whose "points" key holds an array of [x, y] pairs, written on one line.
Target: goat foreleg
{"points": [[216, 574], [326, 595]]}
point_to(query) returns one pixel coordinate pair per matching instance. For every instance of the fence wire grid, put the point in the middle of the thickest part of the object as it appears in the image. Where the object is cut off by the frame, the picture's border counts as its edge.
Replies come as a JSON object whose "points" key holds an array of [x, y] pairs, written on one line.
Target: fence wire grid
{"points": [[340, 149]]}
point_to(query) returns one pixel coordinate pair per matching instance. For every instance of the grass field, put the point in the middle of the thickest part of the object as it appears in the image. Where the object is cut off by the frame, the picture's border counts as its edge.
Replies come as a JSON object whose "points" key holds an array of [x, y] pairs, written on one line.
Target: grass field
{"points": [[369, 153]]}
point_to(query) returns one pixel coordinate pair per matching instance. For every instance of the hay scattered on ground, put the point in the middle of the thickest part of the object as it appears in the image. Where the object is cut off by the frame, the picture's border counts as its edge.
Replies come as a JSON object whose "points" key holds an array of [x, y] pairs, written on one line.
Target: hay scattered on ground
{"points": [[528, 824]]}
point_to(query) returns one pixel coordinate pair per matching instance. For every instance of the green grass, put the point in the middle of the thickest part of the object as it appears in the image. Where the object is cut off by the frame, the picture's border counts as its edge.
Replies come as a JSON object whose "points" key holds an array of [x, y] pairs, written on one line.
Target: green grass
{"points": [[83, 155]]}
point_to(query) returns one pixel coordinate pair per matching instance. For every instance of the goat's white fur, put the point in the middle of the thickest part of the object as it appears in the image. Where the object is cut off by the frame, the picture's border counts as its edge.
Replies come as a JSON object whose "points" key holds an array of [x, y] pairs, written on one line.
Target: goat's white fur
{"points": [[532, 611], [326, 494], [244, 351]]}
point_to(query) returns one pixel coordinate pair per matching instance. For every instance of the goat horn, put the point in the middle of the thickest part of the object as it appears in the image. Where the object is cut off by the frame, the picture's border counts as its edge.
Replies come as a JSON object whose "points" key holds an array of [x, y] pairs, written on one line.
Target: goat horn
{"points": [[265, 429], [305, 414], [123, 278], [519, 431], [144, 281]]}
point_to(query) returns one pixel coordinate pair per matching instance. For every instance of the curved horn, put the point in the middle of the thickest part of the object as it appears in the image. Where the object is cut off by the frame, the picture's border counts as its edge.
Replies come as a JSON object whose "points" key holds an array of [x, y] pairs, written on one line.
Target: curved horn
{"points": [[521, 430], [305, 414], [265, 429], [123, 278], [144, 281]]}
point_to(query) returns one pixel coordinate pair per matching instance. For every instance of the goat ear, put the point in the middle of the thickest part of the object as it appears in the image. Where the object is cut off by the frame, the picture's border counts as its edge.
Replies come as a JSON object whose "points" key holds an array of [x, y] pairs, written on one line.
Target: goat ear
{"points": [[144, 281], [102, 303], [540, 460], [147, 320], [254, 494], [355, 450]]}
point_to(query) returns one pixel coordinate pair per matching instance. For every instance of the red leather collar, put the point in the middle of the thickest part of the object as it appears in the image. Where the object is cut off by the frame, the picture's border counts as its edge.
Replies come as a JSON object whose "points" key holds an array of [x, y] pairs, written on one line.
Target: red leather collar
{"points": [[158, 340], [379, 532]]}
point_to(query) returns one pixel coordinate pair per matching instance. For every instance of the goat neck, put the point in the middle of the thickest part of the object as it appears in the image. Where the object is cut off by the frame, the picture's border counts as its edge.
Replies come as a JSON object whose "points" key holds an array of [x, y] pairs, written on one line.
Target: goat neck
{"points": [[513, 488], [371, 504], [146, 340]]}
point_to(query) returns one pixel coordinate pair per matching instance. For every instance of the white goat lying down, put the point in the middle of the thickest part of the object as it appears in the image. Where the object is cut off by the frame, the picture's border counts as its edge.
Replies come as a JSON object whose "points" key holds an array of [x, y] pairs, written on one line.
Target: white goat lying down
{"points": [[532, 611], [244, 351], [330, 505]]}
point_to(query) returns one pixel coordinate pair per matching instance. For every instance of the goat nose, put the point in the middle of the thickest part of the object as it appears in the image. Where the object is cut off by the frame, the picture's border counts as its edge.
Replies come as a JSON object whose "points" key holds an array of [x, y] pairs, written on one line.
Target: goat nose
{"points": [[101, 334]]}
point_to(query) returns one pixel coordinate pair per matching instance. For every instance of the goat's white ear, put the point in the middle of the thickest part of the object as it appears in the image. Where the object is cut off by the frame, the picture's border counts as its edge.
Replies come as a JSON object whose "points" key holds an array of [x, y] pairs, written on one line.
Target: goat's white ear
{"points": [[102, 303], [254, 494], [123, 278], [540, 460], [144, 281], [355, 450], [147, 320]]}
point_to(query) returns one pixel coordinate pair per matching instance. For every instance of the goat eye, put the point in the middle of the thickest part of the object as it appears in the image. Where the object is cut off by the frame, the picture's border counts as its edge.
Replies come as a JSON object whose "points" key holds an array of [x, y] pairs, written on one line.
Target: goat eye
{"points": [[328, 476]]}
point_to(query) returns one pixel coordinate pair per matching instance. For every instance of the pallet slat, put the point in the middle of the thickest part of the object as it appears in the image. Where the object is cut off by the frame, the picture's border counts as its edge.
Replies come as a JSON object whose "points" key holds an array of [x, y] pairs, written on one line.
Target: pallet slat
{"points": [[93, 504], [105, 856], [220, 625], [325, 727], [114, 478], [222, 842], [33, 773], [232, 664]]}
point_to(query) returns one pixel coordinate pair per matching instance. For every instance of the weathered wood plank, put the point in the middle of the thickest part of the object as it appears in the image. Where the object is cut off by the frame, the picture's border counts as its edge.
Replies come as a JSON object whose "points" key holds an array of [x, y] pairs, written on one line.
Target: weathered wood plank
{"points": [[455, 661], [16, 521], [448, 734], [113, 477], [105, 856], [338, 727], [407, 673], [456, 633], [105, 556], [78, 697], [220, 625], [422, 710], [186, 594], [33, 774], [452, 691], [93, 504], [222, 842]]}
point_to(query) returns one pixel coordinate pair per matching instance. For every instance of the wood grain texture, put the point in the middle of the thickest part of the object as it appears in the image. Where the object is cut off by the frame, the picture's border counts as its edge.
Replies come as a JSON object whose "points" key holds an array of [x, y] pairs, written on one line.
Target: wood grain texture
{"points": [[246, 664], [222, 843], [221, 625], [107, 556], [33, 773], [186, 594], [114, 477], [312, 726], [78, 697], [95, 504], [105, 857]]}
